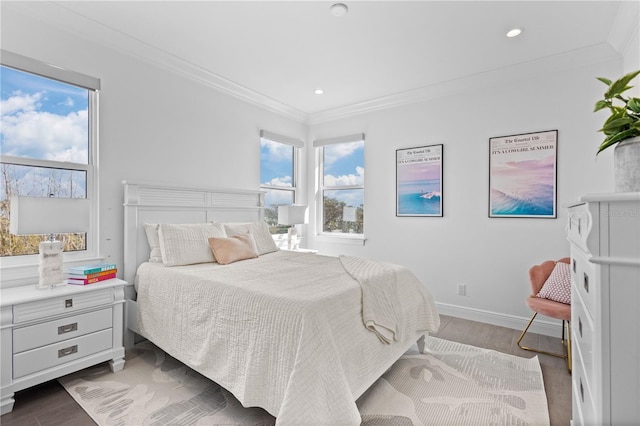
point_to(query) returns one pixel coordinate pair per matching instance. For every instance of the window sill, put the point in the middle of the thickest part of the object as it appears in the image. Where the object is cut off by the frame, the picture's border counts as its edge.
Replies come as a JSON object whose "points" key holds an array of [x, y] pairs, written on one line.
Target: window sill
{"points": [[342, 238]]}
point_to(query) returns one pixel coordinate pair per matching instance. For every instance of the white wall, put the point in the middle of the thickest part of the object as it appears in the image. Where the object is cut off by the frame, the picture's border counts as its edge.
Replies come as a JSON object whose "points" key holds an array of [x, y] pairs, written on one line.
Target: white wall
{"points": [[159, 126], [491, 256], [154, 125]]}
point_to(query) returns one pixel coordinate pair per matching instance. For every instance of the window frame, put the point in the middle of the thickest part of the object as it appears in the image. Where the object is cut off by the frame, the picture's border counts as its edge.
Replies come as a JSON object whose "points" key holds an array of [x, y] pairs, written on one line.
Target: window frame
{"points": [[320, 146], [25, 267], [296, 146]]}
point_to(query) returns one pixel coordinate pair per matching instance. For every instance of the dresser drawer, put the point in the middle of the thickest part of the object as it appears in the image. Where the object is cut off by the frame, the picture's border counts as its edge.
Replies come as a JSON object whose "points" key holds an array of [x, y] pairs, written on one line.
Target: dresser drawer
{"points": [[582, 334], [61, 305], [583, 402], [581, 221], [49, 356], [43, 334], [584, 278]]}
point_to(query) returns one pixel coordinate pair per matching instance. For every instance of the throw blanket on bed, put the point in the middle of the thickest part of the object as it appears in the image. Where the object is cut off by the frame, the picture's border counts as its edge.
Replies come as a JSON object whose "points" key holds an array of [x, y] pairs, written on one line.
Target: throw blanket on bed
{"points": [[381, 312], [283, 331]]}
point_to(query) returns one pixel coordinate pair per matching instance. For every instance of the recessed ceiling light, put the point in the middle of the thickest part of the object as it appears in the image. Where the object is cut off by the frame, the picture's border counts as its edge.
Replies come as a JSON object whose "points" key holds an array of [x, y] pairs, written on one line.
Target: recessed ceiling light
{"points": [[514, 32], [318, 91], [339, 9]]}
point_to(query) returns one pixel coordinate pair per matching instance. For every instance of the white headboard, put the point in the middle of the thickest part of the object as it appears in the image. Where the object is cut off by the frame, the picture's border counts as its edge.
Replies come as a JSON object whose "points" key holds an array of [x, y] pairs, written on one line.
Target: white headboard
{"points": [[159, 203]]}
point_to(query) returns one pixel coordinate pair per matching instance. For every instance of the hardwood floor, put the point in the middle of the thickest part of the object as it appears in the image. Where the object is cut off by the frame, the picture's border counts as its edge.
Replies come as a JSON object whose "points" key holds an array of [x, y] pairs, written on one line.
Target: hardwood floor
{"points": [[50, 405]]}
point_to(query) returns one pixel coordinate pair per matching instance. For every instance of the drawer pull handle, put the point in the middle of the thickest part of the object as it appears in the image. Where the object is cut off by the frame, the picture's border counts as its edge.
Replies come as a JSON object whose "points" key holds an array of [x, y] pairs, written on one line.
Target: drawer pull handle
{"points": [[581, 390], [580, 326], [579, 227], [67, 351], [575, 265], [68, 303], [586, 283], [68, 328]]}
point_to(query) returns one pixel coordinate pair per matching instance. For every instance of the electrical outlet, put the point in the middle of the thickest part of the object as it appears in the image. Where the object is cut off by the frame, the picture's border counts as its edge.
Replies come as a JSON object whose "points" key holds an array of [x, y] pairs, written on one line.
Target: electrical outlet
{"points": [[462, 289]]}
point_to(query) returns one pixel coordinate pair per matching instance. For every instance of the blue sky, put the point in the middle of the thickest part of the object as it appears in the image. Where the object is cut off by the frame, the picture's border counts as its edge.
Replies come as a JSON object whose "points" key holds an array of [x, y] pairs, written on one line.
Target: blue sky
{"points": [[43, 118]]}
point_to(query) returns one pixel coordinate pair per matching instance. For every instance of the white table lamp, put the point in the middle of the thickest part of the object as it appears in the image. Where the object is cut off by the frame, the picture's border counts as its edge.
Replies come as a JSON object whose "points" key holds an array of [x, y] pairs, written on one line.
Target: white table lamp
{"points": [[292, 215], [40, 215]]}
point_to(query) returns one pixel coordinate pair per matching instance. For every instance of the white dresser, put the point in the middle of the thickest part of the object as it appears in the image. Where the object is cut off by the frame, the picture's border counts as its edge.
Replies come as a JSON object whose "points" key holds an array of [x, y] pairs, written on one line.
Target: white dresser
{"points": [[46, 334], [604, 233]]}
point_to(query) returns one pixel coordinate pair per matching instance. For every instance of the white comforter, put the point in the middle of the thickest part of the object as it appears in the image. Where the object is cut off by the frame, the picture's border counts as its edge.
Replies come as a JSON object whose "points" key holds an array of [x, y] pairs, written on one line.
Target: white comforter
{"points": [[284, 331]]}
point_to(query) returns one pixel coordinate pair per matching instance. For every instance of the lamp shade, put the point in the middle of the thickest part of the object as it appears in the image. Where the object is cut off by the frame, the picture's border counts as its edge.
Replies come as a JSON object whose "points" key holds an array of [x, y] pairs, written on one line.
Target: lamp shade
{"points": [[46, 215], [348, 214], [292, 214]]}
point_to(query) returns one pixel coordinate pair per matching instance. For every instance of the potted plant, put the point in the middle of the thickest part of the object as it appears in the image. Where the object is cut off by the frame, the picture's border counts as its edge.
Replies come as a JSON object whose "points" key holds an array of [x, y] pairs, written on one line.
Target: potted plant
{"points": [[622, 129]]}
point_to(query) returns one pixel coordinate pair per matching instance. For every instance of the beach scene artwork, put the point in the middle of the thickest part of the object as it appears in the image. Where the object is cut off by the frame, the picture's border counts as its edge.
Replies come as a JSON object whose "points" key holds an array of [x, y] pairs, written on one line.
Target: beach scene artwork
{"points": [[522, 175], [419, 181]]}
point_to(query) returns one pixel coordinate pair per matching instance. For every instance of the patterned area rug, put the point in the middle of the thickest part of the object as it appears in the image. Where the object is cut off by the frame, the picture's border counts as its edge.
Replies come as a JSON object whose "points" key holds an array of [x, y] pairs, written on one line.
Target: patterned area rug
{"points": [[451, 384]]}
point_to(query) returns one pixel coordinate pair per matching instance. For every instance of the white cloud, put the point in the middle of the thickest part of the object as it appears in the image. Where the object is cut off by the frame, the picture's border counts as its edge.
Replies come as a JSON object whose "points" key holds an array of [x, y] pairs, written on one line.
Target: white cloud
{"points": [[345, 180], [20, 102], [277, 151], [333, 153], [27, 131], [280, 181]]}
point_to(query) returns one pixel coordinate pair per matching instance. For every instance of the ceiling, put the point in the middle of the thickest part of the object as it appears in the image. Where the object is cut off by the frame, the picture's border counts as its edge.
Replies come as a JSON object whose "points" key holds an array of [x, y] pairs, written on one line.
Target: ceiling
{"points": [[380, 53]]}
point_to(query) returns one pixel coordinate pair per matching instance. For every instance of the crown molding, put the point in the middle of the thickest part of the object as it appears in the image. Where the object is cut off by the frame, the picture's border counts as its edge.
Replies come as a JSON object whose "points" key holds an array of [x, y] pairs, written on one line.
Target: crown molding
{"points": [[625, 27], [574, 59]]}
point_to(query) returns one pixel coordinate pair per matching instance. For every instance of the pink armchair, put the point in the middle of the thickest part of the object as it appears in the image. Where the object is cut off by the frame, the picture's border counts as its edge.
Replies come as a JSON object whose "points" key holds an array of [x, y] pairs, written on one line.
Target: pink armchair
{"points": [[538, 274]]}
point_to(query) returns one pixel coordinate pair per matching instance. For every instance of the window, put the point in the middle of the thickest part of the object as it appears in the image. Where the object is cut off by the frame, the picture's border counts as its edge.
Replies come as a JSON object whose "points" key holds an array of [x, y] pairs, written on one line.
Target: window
{"points": [[47, 146], [342, 185], [278, 175]]}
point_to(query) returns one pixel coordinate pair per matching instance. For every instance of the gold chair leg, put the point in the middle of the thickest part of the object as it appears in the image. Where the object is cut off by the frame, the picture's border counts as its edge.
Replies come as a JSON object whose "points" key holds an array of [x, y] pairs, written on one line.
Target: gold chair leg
{"points": [[526, 348]]}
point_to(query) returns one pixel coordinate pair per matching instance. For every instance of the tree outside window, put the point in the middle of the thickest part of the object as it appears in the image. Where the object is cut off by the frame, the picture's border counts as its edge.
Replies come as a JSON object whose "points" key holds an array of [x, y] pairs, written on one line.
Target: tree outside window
{"points": [[343, 187], [277, 178]]}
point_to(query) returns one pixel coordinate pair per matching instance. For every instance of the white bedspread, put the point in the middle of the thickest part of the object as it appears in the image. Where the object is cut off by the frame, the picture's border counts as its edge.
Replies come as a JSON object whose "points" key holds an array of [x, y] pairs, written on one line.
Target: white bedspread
{"points": [[284, 331]]}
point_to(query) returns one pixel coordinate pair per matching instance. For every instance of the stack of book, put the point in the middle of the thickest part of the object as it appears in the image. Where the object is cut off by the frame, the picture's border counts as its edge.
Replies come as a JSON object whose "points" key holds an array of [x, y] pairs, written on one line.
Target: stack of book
{"points": [[83, 275]]}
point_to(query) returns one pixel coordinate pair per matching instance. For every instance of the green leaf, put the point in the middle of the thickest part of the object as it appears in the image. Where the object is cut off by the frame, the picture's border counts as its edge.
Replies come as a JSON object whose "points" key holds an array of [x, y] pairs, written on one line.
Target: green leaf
{"points": [[615, 139], [602, 105], [604, 80], [634, 105], [617, 124], [620, 85]]}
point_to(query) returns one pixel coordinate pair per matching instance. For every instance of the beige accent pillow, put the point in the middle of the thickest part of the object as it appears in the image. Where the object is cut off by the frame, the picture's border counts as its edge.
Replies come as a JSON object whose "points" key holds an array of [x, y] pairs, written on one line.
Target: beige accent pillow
{"points": [[151, 229], [232, 249], [260, 232], [186, 244]]}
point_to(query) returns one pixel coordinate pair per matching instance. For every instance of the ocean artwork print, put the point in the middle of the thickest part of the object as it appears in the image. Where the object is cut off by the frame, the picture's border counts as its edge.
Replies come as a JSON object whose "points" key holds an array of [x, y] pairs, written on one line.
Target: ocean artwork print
{"points": [[419, 181], [522, 175]]}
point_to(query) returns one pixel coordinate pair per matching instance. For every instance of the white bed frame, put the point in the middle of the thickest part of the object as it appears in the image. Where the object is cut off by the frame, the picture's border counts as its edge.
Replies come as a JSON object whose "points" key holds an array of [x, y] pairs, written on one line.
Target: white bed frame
{"points": [[154, 203], [159, 203]]}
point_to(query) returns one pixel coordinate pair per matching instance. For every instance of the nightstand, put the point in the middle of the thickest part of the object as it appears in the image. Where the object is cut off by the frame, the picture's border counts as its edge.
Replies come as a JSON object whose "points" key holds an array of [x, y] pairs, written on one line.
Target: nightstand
{"points": [[46, 334]]}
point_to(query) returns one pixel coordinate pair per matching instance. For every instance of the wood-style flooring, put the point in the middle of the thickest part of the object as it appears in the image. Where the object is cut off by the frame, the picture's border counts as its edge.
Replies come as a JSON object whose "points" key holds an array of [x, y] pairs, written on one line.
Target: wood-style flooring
{"points": [[49, 404]]}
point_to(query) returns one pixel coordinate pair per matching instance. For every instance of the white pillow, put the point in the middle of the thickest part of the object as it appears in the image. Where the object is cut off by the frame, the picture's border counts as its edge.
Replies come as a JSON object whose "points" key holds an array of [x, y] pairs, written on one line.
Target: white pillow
{"points": [[186, 244], [260, 232], [153, 239], [558, 286]]}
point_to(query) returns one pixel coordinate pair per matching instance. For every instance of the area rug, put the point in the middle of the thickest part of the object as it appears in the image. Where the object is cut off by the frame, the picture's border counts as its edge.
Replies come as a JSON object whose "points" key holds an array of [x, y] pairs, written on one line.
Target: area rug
{"points": [[450, 384]]}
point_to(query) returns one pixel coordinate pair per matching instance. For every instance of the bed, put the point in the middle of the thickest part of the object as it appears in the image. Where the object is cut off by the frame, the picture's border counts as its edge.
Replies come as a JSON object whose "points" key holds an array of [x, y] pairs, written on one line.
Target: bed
{"points": [[300, 335]]}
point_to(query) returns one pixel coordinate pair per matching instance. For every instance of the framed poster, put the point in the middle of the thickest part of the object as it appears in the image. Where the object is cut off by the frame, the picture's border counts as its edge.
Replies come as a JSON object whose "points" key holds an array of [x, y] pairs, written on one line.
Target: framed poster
{"points": [[523, 175], [419, 181]]}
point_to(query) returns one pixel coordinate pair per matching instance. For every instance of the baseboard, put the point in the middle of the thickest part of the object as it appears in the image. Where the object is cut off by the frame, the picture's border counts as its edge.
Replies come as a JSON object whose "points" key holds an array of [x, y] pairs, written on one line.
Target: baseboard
{"points": [[542, 325]]}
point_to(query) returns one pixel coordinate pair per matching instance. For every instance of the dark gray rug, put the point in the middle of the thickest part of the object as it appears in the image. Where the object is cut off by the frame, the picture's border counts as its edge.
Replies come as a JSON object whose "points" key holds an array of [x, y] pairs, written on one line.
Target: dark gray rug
{"points": [[451, 384]]}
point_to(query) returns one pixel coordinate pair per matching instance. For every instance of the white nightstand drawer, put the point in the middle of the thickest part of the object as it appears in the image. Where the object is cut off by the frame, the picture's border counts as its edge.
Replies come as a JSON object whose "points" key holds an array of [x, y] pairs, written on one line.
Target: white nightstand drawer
{"points": [[43, 334], [62, 352], [60, 305], [583, 401], [584, 279], [582, 331]]}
